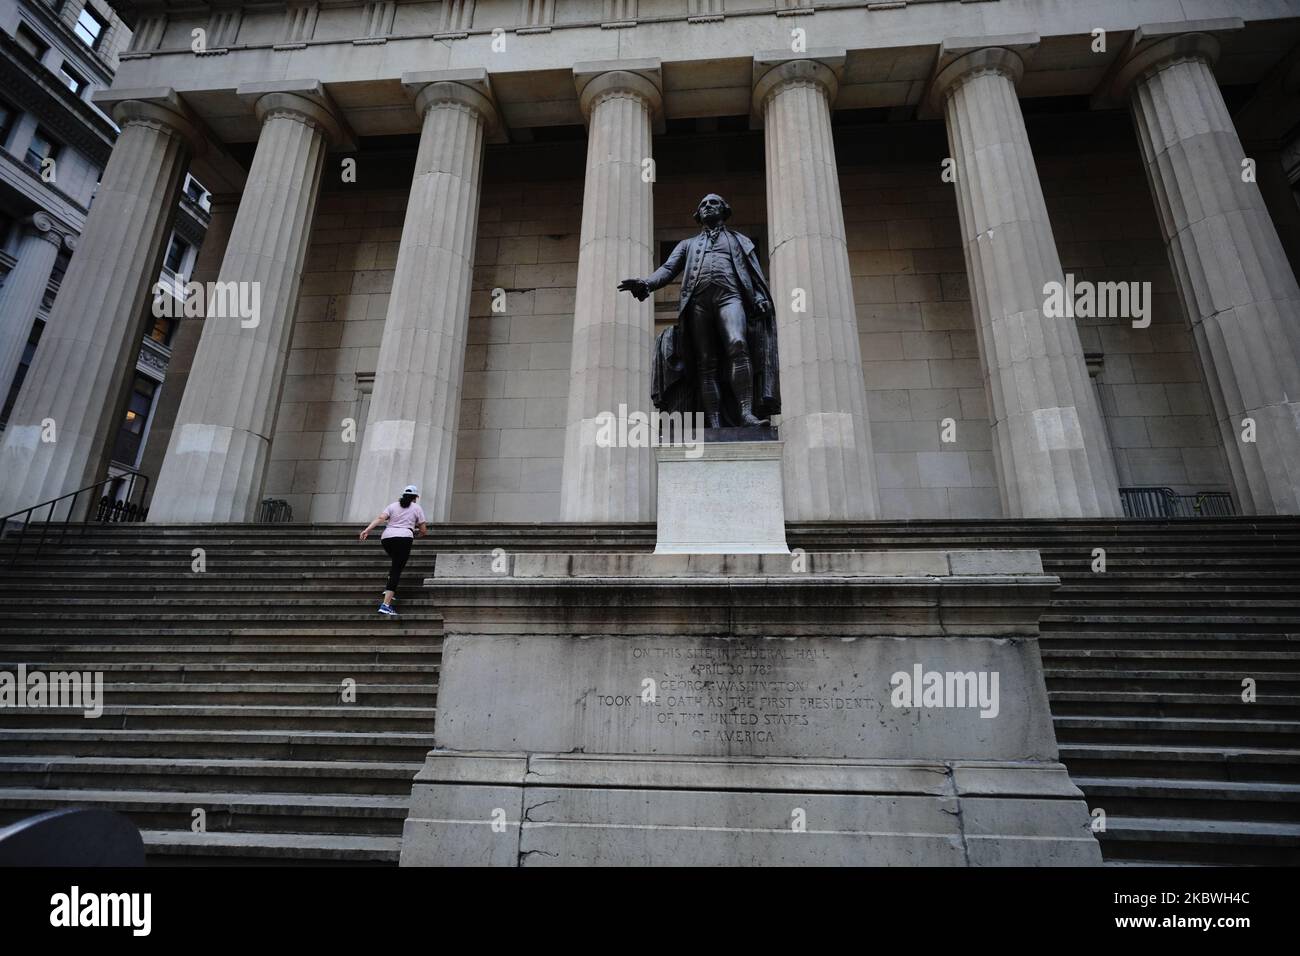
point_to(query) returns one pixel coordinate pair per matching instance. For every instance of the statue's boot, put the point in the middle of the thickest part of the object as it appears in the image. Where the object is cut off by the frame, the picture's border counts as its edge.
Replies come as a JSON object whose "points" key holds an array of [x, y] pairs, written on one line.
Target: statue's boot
{"points": [[711, 397], [742, 386]]}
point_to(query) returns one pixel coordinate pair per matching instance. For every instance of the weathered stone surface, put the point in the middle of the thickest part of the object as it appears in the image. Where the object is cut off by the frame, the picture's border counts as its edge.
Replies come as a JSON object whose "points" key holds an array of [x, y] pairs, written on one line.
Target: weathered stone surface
{"points": [[811, 697], [655, 709], [721, 498]]}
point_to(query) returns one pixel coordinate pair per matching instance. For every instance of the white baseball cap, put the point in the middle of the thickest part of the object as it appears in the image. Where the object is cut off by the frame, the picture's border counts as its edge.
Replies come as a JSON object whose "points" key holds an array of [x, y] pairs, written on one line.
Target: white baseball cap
{"points": [[410, 490]]}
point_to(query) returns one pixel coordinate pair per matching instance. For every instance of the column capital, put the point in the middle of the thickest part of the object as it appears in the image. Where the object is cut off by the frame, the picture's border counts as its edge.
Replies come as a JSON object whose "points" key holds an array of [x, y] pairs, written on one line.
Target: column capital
{"points": [[642, 78], [1155, 45], [43, 226], [961, 58], [305, 100], [469, 88], [776, 70], [159, 106]]}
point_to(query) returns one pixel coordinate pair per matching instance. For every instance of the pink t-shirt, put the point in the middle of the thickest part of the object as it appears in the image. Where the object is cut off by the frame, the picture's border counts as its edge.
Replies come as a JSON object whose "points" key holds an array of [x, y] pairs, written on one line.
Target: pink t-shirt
{"points": [[402, 522]]}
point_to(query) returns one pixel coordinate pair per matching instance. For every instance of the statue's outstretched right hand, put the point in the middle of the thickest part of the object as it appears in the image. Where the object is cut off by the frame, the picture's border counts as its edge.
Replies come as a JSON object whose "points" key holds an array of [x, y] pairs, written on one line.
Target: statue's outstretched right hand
{"points": [[636, 286]]}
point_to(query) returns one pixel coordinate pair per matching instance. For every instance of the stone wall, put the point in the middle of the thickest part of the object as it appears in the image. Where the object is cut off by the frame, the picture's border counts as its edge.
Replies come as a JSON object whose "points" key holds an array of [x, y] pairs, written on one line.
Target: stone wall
{"points": [[917, 336], [510, 451], [345, 287]]}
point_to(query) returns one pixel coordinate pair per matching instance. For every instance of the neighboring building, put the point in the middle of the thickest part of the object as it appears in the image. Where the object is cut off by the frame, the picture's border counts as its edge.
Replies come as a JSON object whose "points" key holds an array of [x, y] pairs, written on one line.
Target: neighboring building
{"points": [[916, 175], [54, 145]]}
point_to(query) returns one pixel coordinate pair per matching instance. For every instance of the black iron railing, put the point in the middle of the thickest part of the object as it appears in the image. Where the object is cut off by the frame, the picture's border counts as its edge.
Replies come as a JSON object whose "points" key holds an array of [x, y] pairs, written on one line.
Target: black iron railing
{"points": [[121, 499], [1164, 503], [274, 511]]}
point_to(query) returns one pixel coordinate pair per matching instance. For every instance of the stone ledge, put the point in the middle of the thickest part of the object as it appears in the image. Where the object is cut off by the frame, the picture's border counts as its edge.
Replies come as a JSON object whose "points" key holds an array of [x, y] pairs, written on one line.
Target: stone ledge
{"points": [[811, 566]]}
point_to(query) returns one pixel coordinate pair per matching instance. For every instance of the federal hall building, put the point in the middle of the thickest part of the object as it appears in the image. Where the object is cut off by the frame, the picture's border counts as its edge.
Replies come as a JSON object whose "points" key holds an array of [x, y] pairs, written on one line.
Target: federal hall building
{"points": [[435, 202], [1032, 268]]}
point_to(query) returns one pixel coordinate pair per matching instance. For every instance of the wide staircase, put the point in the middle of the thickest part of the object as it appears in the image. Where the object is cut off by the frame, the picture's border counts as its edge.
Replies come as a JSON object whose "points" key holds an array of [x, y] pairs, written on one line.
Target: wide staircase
{"points": [[259, 710]]}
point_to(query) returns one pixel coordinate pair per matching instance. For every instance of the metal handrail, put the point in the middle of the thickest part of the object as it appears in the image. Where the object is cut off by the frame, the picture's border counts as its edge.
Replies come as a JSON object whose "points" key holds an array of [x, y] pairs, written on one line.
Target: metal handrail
{"points": [[1158, 502], [131, 513]]}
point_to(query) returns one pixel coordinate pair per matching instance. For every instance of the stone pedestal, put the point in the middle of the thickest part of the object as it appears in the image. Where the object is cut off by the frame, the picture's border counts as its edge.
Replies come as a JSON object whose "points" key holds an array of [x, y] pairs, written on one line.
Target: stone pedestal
{"points": [[721, 498], [637, 709]]}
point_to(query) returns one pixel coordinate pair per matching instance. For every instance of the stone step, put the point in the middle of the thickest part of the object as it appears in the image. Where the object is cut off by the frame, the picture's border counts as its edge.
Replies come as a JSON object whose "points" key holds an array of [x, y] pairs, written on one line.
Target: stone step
{"points": [[334, 653], [228, 717], [1201, 799], [259, 693], [1082, 676], [1171, 705], [1195, 841], [164, 672], [91, 741], [1167, 729], [359, 814], [20, 620], [376, 630], [1182, 761], [243, 775], [172, 847]]}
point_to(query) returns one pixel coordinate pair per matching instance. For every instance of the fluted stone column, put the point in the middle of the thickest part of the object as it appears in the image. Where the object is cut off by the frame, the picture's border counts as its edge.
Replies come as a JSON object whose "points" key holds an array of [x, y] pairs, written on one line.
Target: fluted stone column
{"points": [[410, 435], [221, 442], [1236, 285], [76, 385], [828, 467], [613, 333], [1050, 448], [188, 334], [24, 288]]}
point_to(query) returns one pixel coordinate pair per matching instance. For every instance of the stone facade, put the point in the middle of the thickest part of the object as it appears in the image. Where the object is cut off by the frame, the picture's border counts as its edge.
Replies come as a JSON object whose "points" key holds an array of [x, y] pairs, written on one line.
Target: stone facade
{"points": [[923, 173]]}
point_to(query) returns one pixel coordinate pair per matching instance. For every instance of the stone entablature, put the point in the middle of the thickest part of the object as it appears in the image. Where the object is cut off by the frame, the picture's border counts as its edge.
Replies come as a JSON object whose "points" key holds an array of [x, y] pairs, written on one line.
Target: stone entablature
{"points": [[889, 54]]}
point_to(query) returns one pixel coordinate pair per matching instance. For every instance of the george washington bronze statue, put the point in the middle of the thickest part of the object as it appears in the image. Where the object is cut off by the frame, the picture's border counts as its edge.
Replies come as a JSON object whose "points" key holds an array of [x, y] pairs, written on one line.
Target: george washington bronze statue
{"points": [[720, 357]]}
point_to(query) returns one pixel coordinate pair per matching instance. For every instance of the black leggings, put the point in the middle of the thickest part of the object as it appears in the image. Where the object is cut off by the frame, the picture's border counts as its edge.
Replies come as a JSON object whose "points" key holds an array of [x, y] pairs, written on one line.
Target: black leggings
{"points": [[399, 549]]}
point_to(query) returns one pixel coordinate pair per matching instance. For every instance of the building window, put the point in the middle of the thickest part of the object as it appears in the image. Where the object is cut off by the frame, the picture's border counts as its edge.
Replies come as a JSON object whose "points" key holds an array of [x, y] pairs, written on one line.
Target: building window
{"points": [[73, 82], [29, 352], [7, 117], [163, 329], [195, 191], [90, 27], [29, 41], [41, 148], [130, 436], [60, 267], [176, 254]]}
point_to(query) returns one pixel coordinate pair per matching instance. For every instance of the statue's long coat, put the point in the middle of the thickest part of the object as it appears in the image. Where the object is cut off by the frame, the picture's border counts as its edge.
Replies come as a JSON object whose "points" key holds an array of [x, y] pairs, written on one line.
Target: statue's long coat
{"points": [[674, 385]]}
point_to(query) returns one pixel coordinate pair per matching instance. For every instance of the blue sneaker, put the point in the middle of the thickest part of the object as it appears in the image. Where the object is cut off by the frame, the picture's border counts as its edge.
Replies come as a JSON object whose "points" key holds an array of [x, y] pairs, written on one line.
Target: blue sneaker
{"points": [[387, 609]]}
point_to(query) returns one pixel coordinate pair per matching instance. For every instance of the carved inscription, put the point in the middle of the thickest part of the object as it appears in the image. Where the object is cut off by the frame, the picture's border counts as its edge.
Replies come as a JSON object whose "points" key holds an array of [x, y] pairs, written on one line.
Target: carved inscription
{"points": [[733, 696]]}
